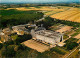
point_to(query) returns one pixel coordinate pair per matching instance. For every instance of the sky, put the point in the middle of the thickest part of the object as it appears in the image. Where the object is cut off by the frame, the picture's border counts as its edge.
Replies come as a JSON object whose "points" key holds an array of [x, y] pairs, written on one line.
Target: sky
{"points": [[36, 1]]}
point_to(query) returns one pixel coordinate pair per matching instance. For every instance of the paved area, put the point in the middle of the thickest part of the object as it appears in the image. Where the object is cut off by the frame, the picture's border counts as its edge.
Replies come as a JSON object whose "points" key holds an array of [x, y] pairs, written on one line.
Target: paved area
{"points": [[36, 45]]}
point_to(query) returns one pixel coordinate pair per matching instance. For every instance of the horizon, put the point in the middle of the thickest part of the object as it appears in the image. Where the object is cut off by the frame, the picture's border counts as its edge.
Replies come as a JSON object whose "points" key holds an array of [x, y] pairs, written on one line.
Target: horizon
{"points": [[39, 1]]}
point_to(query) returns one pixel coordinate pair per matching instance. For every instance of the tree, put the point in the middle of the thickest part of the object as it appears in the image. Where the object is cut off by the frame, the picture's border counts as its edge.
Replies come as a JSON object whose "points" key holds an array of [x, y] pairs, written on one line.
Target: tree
{"points": [[1, 45], [71, 45], [22, 38], [8, 52], [20, 17]]}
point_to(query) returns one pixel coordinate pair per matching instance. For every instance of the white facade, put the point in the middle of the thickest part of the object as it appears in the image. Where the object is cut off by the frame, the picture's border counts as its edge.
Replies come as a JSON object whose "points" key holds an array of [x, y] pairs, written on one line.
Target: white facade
{"points": [[47, 36]]}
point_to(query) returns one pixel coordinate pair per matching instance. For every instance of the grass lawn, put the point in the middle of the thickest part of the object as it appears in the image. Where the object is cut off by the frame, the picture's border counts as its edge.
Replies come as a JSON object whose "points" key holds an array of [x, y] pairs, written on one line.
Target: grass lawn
{"points": [[14, 37]]}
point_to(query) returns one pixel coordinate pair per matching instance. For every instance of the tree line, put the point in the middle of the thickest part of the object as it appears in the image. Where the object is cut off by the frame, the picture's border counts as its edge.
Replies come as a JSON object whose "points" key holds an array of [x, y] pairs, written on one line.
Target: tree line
{"points": [[52, 21]]}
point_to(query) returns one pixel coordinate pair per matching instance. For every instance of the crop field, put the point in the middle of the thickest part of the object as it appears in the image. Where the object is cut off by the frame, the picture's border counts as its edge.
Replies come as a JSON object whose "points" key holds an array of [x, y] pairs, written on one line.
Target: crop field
{"points": [[70, 15], [33, 8], [51, 12], [46, 8], [59, 12]]}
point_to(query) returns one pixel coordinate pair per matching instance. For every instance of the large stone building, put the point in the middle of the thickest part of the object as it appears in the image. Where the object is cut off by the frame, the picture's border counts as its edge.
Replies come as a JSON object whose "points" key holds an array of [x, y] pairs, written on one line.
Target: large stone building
{"points": [[47, 36]]}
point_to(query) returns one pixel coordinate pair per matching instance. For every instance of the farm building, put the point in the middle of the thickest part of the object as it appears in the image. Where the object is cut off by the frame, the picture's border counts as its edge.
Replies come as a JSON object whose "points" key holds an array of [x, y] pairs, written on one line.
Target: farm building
{"points": [[4, 35], [5, 38], [1, 33], [7, 31], [43, 35], [20, 30]]}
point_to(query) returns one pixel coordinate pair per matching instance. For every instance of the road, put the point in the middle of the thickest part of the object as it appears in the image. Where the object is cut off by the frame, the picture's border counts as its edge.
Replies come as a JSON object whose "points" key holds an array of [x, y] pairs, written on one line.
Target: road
{"points": [[66, 56], [41, 18]]}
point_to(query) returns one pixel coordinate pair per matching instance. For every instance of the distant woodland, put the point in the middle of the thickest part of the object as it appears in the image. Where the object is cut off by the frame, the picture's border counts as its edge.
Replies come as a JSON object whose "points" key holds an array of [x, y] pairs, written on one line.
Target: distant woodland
{"points": [[15, 17]]}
